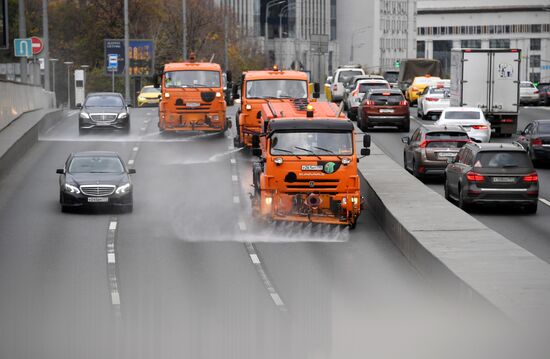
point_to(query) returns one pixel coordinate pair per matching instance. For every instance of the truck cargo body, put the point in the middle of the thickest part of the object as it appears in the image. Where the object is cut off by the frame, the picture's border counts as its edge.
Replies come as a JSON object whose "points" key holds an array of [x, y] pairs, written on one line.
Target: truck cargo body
{"points": [[411, 68], [488, 79]]}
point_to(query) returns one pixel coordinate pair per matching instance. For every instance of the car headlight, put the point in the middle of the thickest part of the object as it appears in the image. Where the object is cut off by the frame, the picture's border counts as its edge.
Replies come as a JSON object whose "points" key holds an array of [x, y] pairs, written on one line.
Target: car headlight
{"points": [[84, 115], [125, 188], [71, 189], [123, 115]]}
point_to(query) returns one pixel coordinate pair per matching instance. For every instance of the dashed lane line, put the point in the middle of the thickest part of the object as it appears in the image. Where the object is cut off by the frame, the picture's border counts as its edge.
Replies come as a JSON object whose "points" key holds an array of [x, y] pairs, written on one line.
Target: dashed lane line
{"points": [[112, 265], [546, 202]]}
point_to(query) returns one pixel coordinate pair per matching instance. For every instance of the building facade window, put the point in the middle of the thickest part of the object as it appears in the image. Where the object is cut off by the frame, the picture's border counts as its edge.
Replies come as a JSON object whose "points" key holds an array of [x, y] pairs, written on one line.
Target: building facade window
{"points": [[499, 43], [470, 44], [420, 49], [534, 77], [534, 44], [442, 52], [534, 61], [333, 24]]}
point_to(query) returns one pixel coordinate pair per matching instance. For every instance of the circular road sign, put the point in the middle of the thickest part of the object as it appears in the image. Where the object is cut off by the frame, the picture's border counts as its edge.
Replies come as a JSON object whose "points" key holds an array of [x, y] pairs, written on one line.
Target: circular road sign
{"points": [[37, 45]]}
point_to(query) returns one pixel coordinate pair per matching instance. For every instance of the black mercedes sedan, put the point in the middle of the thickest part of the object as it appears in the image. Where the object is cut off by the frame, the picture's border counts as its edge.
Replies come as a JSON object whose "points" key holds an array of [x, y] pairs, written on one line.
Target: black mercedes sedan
{"points": [[535, 138], [103, 110], [95, 178]]}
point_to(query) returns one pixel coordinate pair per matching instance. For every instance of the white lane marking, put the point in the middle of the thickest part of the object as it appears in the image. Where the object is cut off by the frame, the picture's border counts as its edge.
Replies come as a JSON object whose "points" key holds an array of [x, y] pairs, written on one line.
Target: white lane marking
{"points": [[236, 200], [254, 258], [230, 147], [131, 162], [233, 161], [235, 178], [115, 298], [111, 258], [546, 202], [135, 149], [112, 226], [143, 128], [277, 299], [242, 226]]}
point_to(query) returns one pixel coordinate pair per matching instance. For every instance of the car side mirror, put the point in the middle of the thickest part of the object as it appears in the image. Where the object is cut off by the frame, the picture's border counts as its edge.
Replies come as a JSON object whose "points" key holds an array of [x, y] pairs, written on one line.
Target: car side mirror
{"points": [[78, 105], [156, 81], [131, 171], [406, 140], [60, 171], [366, 140], [365, 151], [236, 95]]}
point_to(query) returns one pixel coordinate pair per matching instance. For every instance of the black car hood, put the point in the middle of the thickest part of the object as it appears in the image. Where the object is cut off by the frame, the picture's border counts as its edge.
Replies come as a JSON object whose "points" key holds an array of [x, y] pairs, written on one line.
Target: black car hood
{"points": [[117, 109], [80, 179]]}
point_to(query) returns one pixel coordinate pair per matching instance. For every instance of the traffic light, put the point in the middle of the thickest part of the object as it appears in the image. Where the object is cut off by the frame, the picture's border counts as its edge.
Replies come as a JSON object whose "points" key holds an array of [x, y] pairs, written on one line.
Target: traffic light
{"points": [[397, 64]]}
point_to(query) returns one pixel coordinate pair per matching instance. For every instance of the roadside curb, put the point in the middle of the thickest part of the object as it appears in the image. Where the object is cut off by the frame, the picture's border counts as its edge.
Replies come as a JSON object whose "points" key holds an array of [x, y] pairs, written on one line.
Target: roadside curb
{"points": [[17, 138], [454, 250]]}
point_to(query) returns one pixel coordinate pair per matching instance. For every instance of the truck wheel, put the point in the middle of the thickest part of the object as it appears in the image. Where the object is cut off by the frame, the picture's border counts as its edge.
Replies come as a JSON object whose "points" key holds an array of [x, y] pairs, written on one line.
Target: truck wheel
{"points": [[353, 223]]}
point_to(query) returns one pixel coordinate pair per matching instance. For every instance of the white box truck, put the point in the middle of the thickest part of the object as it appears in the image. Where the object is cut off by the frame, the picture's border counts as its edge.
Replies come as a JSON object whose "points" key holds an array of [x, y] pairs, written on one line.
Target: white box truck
{"points": [[488, 79]]}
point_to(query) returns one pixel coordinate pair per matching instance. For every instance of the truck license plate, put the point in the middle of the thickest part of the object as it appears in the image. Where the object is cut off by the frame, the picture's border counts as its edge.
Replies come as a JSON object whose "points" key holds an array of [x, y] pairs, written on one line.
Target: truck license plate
{"points": [[193, 104], [98, 199]]}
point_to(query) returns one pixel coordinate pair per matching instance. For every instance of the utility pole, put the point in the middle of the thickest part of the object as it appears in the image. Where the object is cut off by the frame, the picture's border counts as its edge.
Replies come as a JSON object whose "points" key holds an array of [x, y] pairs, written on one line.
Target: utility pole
{"points": [[53, 61], [184, 25], [226, 38], [46, 41], [22, 35], [127, 54]]}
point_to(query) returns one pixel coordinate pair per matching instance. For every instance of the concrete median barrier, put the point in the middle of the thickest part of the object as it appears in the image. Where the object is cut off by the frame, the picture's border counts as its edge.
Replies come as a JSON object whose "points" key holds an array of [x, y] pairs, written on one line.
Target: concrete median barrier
{"points": [[452, 248]]}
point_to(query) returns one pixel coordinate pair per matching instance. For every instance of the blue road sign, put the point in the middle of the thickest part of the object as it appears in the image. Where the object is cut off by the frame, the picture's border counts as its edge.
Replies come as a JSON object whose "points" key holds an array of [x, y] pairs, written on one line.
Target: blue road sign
{"points": [[22, 47], [113, 62], [141, 56]]}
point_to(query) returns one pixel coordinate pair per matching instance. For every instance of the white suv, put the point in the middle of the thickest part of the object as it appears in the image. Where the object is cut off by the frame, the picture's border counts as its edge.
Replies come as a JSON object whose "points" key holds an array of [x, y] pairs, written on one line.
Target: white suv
{"points": [[341, 77]]}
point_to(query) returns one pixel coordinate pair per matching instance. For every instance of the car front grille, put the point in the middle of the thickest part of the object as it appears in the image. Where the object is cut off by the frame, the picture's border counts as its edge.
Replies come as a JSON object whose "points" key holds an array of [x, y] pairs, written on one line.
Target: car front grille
{"points": [[103, 117], [97, 190]]}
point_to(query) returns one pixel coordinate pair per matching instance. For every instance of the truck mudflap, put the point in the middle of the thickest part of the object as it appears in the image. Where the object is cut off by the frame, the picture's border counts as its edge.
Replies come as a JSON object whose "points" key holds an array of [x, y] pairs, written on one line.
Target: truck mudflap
{"points": [[503, 124], [338, 209]]}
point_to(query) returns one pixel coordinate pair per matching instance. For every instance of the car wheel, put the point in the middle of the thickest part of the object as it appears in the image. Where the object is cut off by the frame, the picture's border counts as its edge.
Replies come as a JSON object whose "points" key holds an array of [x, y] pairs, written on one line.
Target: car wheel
{"points": [[531, 208], [462, 201], [446, 188], [415, 171], [352, 117], [405, 162]]}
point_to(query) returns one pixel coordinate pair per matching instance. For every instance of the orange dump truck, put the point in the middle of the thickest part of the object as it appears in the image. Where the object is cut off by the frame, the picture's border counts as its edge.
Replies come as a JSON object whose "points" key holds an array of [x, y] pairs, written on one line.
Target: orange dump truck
{"points": [[308, 167], [192, 97], [259, 87]]}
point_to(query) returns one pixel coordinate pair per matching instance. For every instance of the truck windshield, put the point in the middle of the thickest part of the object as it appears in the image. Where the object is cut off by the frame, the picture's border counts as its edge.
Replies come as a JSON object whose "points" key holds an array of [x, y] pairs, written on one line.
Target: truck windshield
{"points": [[192, 78], [276, 89], [311, 143]]}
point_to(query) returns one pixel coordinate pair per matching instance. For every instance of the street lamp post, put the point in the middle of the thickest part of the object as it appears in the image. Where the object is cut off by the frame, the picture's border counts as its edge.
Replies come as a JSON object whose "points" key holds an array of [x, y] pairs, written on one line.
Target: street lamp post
{"points": [[23, 34], [127, 55], [184, 26], [85, 68], [69, 64], [53, 61], [46, 40], [284, 11], [269, 5], [357, 32]]}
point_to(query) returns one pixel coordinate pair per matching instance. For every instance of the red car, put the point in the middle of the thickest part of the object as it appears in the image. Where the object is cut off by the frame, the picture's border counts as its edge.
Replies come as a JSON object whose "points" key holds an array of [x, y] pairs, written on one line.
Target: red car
{"points": [[384, 107]]}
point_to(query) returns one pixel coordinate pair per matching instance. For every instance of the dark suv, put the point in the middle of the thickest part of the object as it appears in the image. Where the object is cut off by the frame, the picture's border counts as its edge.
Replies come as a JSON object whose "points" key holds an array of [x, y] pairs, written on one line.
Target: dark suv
{"points": [[384, 107], [430, 148], [492, 173]]}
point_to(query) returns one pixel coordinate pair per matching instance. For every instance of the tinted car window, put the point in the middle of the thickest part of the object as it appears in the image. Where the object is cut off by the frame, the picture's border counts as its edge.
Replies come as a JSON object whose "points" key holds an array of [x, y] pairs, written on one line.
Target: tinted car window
{"points": [[96, 165], [392, 99], [446, 144], [502, 159], [345, 76], [104, 101], [447, 136], [462, 115], [544, 127], [364, 88]]}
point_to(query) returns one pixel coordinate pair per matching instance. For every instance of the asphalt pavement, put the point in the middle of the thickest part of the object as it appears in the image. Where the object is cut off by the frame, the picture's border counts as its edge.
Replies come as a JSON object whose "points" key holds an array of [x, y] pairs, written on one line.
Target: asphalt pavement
{"points": [[189, 275], [531, 232]]}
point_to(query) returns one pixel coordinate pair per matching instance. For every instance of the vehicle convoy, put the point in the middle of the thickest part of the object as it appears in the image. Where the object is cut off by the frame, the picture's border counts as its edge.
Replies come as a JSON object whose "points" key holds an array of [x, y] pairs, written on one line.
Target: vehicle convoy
{"points": [[342, 76], [260, 87], [411, 68], [95, 178], [430, 148], [488, 79], [103, 110], [308, 167], [384, 107], [192, 97], [149, 96], [492, 173], [535, 138]]}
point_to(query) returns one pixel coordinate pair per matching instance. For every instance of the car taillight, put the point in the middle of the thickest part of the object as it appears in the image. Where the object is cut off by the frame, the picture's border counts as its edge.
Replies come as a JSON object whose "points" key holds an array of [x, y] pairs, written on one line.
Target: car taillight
{"points": [[507, 120], [414, 88], [431, 99], [536, 92], [403, 103], [531, 177], [335, 87], [479, 127], [536, 142], [423, 144], [548, 93], [369, 103], [474, 177]]}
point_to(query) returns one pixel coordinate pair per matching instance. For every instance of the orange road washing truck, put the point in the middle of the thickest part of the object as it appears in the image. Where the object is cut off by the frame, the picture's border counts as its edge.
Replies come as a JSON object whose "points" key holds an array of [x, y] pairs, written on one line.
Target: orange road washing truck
{"points": [[308, 167], [192, 97], [260, 87]]}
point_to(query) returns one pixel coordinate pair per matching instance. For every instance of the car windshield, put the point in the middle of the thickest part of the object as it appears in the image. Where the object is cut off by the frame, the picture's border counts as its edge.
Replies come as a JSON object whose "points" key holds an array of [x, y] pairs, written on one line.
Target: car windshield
{"points": [[95, 164], [150, 90], [311, 143], [380, 99], [192, 78], [261, 89], [462, 115], [104, 101], [366, 87], [502, 159], [346, 76]]}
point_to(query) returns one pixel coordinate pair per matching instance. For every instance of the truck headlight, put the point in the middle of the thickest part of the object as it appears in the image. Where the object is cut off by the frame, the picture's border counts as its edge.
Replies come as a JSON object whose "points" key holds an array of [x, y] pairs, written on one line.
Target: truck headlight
{"points": [[71, 189], [268, 200], [354, 200], [346, 161], [125, 188], [218, 94], [278, 161]]}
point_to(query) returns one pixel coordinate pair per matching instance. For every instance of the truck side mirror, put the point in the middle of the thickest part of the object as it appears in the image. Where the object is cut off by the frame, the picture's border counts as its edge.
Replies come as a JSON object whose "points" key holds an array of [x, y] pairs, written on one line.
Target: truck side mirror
{"points": [[365, 151], [236, 95], [156, 82], [366, 140], [316, 90]]}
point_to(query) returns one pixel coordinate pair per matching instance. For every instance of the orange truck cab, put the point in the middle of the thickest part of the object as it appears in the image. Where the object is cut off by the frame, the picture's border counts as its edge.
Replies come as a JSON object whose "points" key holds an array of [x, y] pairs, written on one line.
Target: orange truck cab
{"points": [[192, 97], [308, 168], [259, 87]]}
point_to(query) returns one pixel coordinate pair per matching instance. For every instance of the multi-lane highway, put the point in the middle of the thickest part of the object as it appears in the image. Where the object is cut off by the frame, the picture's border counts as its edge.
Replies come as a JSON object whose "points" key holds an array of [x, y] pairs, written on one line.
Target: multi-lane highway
{"points": [[188, 275], [532, 232]]}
